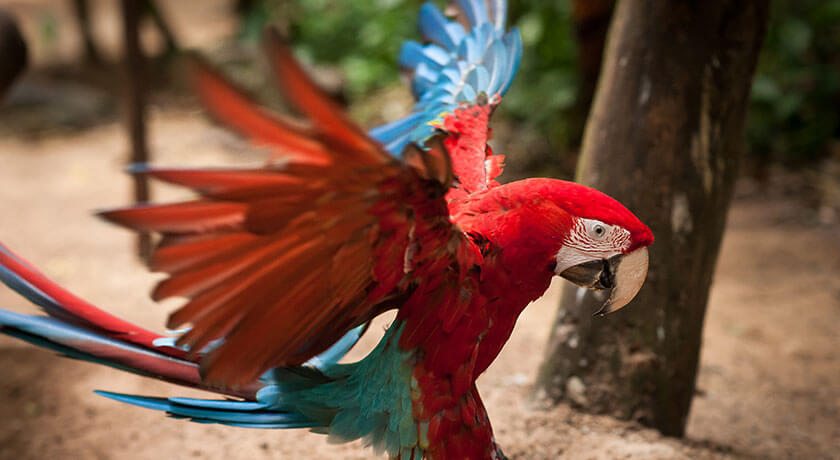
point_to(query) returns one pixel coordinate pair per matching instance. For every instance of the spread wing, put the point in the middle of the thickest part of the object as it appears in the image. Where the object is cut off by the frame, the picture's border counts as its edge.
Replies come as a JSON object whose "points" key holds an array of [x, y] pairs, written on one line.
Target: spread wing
{"points": [[280, 261], [457, 79]]}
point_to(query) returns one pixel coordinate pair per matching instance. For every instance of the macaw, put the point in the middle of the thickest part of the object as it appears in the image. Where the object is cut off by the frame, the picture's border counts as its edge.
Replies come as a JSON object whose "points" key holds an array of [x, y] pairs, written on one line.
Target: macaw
{"points": [[282, 266]]}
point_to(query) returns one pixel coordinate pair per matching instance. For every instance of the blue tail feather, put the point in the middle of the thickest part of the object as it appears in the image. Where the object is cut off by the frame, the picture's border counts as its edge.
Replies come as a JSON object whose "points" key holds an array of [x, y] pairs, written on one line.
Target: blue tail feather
{"points": [[30, 292], [225, 404], [79, 343], [235, 413]]}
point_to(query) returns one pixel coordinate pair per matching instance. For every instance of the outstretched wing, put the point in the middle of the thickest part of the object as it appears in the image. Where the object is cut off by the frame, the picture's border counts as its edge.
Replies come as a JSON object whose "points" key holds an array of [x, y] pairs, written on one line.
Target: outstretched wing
{"points": [[281, 261], [458, 78]]}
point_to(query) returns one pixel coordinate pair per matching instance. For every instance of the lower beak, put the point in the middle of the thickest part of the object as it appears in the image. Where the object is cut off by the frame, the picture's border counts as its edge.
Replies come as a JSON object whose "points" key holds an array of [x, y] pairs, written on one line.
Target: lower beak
{"points": [[624, 274]]}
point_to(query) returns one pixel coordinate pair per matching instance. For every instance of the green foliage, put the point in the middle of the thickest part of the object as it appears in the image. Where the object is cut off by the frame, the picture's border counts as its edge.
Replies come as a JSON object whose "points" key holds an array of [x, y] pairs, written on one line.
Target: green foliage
{"points": [[793, 116], [546, 87], [363, 39], [796, 93], [539, 109]]}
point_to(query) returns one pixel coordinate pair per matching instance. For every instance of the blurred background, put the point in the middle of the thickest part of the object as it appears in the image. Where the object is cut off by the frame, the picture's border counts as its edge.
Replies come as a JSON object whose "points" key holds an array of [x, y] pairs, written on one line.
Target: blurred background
{"points": [[769, 375]]}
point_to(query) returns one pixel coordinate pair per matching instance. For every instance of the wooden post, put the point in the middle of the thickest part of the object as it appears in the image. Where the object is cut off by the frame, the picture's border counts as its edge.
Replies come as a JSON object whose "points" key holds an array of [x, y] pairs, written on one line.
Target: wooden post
{"points": [[664, 137], [135, 108]]}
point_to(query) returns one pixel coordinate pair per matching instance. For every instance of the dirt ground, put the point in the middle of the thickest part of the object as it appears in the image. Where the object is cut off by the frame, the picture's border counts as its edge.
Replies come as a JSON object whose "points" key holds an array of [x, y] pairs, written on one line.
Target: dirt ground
{"points": [[769, 382]]}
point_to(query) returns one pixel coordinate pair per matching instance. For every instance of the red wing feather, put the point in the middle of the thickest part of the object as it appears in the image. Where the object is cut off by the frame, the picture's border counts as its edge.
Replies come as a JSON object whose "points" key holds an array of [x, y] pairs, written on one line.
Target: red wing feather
{"points": [[188, 217], [197, 279], [176, 254], [281, 261], [228, 184], [236, 109], [312, 102], [473, 162]]}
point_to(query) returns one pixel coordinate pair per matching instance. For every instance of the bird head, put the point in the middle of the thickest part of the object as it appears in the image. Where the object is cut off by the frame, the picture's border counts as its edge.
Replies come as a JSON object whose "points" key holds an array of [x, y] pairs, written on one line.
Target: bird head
{"points": [[604, 246], [576, 232], [598, 255]]}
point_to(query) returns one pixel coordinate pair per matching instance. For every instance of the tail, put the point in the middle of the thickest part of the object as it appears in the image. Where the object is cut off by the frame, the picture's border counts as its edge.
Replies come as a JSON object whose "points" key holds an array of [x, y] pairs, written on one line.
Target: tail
{"points": [[79, 330], [267, 409]]}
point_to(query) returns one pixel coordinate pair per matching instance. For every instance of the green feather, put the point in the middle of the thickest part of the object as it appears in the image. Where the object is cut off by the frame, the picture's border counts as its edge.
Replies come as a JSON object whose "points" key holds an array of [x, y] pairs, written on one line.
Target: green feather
{"points": [[369, 399]]}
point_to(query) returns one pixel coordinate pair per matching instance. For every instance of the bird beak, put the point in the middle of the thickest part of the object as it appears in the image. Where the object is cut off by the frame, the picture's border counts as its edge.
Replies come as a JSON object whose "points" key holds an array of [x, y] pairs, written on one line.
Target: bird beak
{"points": [[624, 274]]}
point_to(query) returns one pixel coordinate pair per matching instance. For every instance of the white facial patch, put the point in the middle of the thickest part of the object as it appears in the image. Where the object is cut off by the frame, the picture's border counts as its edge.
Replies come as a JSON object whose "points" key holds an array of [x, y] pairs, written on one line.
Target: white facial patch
{"points": [[592, 237], [569, 256], [590, 240]]}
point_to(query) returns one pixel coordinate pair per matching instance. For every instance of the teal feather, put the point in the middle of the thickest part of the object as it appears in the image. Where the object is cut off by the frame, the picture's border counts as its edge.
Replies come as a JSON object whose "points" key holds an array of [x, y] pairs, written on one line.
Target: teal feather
{"points": [[369, 399]]}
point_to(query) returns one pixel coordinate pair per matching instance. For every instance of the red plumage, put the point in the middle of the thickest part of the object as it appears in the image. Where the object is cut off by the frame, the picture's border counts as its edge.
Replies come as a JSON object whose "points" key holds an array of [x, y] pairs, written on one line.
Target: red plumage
{"points": [[281, 261], [278, 262]]}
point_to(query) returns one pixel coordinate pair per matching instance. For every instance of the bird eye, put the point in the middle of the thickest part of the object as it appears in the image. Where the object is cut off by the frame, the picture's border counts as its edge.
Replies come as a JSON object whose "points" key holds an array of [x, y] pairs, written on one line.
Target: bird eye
{"points": [[598, 231]]}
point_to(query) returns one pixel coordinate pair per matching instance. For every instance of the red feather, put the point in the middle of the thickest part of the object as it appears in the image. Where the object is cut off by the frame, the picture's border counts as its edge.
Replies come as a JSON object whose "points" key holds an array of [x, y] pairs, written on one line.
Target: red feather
{"points": [[236, 109], [281, 261], [318, 108], [189, 217]]}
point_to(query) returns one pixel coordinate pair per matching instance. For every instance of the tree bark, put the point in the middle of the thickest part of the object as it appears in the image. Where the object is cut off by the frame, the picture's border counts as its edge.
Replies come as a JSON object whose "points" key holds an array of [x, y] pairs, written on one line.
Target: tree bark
{"points": [[592, 20], [664, 137]]}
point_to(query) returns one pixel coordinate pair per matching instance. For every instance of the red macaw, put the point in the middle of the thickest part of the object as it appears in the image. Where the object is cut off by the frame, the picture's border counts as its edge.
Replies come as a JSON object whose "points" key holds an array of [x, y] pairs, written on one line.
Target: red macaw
{"points": [[284, 265]]}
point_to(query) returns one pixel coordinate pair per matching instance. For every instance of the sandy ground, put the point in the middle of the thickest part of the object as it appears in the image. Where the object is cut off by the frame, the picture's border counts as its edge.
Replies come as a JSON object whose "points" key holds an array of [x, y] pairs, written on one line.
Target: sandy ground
{"points": [[769, 383]]}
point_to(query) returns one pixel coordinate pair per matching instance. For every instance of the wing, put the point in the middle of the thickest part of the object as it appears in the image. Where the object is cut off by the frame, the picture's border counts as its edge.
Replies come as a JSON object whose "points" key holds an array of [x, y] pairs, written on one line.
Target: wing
{"points": [[280, 261], [458, 78]]}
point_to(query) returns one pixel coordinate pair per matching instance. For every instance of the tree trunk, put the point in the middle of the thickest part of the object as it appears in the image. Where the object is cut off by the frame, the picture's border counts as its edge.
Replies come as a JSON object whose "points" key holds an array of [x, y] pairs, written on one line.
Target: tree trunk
{"points": [[591, 19], [664, 138]]}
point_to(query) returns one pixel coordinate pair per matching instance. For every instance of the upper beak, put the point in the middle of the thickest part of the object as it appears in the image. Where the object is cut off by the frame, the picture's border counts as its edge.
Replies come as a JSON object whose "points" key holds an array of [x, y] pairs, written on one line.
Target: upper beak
{"points": [[624, 274]]}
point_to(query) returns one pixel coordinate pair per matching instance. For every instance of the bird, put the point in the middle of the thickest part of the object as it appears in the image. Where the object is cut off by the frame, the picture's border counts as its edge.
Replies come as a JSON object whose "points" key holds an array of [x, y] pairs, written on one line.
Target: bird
{"points": [[283, 265]]}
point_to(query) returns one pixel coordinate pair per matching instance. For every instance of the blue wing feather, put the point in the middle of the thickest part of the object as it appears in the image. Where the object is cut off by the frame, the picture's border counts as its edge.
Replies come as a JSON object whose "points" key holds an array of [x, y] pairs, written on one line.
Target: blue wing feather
{"points": [[475, 10], [499, 13], [457, 66], [433, 26]]}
